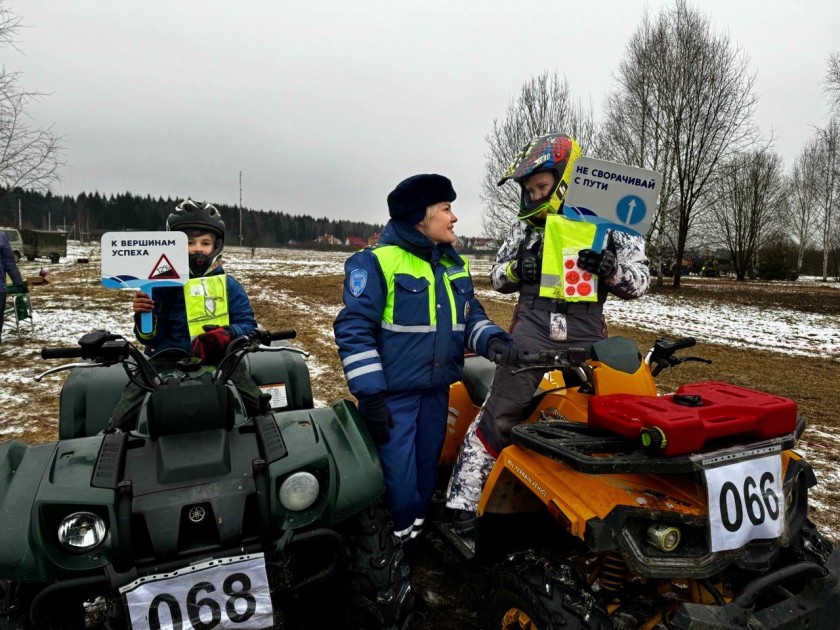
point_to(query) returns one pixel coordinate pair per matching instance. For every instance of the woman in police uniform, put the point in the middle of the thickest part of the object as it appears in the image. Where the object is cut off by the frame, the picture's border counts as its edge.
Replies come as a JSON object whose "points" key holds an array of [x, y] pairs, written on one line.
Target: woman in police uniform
{"points": [[409, 314]]}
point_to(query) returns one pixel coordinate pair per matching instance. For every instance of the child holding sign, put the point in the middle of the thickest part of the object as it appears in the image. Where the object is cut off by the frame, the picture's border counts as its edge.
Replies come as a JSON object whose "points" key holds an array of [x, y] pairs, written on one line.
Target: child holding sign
{"points": [[563, 277], [201, 317]]}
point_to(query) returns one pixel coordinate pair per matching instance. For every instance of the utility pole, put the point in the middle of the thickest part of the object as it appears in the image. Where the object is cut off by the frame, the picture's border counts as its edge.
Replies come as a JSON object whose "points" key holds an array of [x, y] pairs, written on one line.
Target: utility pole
{"points": [[240, 209], [20, 225]]}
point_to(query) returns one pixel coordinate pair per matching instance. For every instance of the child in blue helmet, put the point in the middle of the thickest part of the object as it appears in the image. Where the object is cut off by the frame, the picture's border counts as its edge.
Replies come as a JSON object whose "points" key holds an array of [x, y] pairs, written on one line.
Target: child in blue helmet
{"points": [[202, 317]]}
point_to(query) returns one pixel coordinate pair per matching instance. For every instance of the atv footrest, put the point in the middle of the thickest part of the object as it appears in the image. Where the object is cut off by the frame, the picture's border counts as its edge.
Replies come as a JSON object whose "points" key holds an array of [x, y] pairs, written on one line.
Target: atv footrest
{"points": [[594, 451]]}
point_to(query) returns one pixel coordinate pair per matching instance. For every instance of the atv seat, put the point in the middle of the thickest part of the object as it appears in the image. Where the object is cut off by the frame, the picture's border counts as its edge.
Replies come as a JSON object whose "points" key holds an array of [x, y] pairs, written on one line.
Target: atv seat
{"points": [[190, 408]]}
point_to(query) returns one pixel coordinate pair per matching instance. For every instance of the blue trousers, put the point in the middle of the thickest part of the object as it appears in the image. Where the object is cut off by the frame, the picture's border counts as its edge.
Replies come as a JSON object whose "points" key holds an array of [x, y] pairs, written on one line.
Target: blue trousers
{"points": [[410, 458]]}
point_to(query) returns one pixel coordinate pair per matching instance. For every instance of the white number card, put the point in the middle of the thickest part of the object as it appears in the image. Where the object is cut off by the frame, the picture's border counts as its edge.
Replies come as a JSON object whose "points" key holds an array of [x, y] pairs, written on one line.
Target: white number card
{"points": [[746, 502]]}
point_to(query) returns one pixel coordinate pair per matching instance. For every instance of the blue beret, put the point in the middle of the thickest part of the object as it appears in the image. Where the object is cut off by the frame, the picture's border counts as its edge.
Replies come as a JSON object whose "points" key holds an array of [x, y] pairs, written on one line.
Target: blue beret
{"points": [[409, 200]]}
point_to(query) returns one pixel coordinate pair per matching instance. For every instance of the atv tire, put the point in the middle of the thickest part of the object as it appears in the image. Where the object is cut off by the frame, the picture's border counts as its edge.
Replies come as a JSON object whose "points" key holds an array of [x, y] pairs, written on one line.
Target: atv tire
{"points": [[61, 613], [378, 586], [530, 591]]}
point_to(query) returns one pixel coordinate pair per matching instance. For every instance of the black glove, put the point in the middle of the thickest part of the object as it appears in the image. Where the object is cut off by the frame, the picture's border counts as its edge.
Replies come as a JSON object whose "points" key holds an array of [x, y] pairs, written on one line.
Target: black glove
{"points": [[23, 287], [377, 417], [602, 264], [501, 352], [527, 264]]}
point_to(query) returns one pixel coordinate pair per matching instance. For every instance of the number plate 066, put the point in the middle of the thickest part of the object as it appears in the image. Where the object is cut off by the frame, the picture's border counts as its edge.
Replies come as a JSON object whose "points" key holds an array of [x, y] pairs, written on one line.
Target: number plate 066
{"points": [[746, 502], [224, 593]]}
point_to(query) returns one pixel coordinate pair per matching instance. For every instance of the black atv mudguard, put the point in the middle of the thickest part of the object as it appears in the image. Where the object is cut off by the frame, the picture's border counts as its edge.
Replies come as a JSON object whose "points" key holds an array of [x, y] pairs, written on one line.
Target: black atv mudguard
{"points": [[816, 606]]}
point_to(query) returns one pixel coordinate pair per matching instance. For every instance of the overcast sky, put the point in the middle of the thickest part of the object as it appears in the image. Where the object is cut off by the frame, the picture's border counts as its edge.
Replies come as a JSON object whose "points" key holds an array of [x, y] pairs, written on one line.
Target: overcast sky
{"points": [[325, 105]]}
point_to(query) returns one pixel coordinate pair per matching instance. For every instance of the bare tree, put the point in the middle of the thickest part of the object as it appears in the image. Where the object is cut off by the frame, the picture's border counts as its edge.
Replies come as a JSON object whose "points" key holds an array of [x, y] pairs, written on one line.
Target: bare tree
{"points": [[544, 105], [698, 101], [803, 198], [832, 81], [747, 197], [635, 131], [30, 157], [828, 184]]}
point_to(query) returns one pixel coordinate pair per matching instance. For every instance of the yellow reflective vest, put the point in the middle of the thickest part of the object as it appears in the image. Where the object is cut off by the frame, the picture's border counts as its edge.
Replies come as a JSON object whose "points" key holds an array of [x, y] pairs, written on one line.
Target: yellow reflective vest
{"points": [[561, 278], [206, 302], [409, 305]]}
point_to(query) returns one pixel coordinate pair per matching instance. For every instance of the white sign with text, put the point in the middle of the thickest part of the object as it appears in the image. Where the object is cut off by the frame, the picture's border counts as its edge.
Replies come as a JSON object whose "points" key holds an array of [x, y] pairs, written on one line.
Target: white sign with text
{"points": [[141, 259], [622, 196]]}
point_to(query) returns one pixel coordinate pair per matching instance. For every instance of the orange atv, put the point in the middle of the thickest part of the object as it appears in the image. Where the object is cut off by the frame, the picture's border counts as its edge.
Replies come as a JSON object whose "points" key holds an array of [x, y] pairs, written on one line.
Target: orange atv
{"points": [[615, 507]]}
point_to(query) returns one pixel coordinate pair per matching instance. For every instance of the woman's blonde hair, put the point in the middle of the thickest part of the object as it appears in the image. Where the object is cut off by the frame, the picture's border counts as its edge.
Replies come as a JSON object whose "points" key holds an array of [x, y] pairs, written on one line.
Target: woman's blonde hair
{"points": [[432, 211]]}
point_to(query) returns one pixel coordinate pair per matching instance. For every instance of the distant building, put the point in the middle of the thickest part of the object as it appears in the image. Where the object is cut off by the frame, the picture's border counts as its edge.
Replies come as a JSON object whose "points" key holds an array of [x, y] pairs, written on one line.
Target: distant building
{"points": [[328, 239], [355, 241], [373, 239]]}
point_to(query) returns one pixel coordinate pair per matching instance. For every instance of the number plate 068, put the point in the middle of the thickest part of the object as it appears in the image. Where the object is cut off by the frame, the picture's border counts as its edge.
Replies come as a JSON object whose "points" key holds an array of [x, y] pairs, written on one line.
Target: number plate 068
{"points": [[746, 502], [224, 593]]}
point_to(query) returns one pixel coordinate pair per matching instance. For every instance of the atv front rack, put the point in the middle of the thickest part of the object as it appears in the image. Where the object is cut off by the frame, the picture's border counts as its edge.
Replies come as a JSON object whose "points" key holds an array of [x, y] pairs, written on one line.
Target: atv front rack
{"points": [[595, 451]]}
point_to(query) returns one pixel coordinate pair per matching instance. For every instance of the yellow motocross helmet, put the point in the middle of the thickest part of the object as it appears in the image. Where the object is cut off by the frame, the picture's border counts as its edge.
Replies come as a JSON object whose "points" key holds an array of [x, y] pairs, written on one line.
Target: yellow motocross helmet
{"points": [[555, 153]]}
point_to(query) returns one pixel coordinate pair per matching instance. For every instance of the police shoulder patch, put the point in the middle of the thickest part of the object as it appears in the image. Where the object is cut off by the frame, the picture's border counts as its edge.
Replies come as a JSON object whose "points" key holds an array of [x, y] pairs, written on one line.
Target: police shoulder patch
{"points": [[358, 281]]}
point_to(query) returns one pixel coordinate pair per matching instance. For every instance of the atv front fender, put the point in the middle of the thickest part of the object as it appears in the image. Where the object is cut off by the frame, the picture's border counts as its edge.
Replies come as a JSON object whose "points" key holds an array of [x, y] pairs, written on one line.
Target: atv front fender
{"points": [[22, 467], [817, 605], [334, 445]]}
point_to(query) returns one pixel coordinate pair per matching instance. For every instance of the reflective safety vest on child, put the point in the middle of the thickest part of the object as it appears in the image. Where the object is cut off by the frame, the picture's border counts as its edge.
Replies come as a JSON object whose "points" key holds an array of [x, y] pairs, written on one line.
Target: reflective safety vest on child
{"points": [[206, 303]]}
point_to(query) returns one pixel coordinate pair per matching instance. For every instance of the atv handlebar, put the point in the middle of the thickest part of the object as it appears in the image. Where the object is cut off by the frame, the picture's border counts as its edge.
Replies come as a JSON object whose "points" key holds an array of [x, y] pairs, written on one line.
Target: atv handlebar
{"points": [[525, 360], [266, 337], [672, 345], [662, 356], [62, 353], [104, 348]]}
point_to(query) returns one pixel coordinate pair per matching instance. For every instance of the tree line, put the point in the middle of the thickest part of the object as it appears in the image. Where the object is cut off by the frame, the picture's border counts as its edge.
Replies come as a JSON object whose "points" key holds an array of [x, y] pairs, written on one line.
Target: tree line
{"points": [[88, 215], [683, 105]]}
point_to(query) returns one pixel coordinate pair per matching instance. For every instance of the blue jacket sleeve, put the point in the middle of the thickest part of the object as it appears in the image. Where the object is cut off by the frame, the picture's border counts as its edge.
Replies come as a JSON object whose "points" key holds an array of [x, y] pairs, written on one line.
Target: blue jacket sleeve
{"points": [[240, 312], [358, 325], [480, 330]]}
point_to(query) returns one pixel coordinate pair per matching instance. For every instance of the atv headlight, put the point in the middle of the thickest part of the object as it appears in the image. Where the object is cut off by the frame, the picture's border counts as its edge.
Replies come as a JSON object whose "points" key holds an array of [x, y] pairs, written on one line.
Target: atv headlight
{"points": [[663, 537], [299, 491], [81, 531]]}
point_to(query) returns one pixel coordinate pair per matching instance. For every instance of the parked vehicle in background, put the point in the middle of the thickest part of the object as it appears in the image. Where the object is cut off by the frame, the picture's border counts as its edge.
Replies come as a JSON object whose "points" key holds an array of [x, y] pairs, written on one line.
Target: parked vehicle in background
{"points": [[44, 244], [15, 241]]}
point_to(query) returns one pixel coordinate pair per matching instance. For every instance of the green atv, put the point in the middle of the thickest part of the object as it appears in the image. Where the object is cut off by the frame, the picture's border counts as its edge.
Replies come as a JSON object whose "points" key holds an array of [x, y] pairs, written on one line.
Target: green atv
{"points": [[202, 517]]}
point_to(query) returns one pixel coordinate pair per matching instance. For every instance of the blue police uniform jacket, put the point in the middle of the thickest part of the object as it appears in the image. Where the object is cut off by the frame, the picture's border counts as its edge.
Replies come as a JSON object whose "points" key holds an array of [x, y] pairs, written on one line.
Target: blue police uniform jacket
{"points": [[423, 346], [170, 329]]}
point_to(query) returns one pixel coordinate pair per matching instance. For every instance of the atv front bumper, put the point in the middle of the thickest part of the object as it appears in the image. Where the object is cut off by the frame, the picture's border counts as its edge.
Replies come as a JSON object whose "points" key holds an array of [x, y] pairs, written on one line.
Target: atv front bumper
{"points": [[766, 603]]}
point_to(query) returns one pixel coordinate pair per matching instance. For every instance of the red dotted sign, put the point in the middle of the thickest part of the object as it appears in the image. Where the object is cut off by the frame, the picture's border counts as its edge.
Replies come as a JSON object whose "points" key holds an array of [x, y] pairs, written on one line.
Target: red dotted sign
{"points": [[578, 283]]}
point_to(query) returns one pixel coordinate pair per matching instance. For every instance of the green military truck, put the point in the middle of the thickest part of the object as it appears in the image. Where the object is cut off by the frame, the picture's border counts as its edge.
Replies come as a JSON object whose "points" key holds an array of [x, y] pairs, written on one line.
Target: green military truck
{"points": [[44, 244]]}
